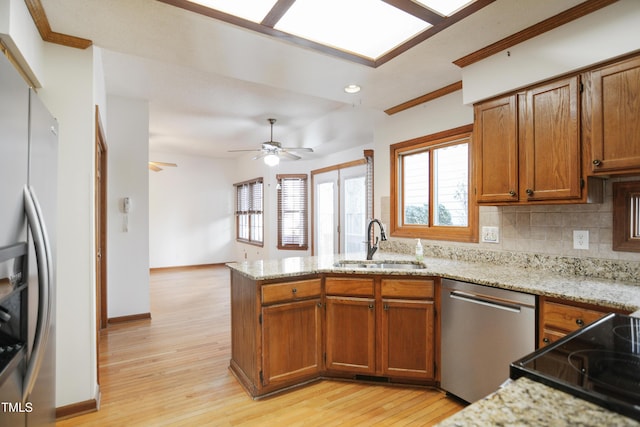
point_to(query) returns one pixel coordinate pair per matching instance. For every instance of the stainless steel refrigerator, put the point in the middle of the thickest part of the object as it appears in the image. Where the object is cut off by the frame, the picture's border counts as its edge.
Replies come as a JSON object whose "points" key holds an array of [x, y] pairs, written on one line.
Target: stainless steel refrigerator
{"points": [[28, 172]]}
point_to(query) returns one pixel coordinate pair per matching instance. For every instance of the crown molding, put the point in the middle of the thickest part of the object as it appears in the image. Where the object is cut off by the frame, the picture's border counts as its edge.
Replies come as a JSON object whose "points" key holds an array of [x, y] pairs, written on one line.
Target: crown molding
{"points": [[44, 28], [541, 27]]}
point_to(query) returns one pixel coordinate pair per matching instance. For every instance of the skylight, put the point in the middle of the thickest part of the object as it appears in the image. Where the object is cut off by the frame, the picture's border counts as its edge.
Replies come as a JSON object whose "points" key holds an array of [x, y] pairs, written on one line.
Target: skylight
{"points": [[444, 7], [365, 27], [366, 31], [251, 10]]}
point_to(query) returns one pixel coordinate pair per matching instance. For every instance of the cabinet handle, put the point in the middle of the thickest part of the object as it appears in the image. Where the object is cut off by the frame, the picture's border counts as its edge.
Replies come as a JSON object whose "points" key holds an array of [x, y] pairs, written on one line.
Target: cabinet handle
{"points": [[546, 340], [597, 162], [386, 307], [529, 192], [580, 322], [512, 193]]}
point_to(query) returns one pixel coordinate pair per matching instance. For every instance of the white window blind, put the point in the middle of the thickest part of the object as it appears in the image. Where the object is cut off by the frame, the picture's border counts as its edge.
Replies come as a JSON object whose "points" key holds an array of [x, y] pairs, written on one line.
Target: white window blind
{"points": [[292, 212]]}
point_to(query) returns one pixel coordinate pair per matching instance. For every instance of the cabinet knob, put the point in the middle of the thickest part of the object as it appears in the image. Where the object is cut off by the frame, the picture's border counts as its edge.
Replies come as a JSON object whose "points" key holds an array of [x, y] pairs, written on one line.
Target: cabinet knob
{"points": [[386, 307], [580, 322], [512, 193], [371, 306], [546, 340], [597, 162], [294, 290], [529, 192]]}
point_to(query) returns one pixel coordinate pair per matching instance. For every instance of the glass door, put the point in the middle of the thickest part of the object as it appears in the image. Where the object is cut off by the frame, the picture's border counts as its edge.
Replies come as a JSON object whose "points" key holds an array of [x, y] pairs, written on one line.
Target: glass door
{"points": [[340, 210]]}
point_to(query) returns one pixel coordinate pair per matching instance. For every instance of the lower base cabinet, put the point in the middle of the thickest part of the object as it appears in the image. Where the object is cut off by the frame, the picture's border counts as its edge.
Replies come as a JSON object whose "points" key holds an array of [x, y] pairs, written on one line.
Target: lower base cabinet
{"points": [[291, 342], [408, 339], [350, 326], [558, 318], [381, 327]]}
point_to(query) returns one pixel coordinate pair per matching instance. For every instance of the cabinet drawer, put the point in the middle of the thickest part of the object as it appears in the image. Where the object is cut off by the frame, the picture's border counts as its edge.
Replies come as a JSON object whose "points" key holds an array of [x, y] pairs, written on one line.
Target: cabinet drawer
{"points": [[281, 292], [550, 336], [568, 318], [349, 286], [407, 288]]}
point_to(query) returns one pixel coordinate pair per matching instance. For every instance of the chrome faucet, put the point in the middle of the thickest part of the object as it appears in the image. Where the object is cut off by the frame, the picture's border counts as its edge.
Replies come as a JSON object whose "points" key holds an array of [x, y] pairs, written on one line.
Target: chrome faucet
{"points": [[371, 249]]}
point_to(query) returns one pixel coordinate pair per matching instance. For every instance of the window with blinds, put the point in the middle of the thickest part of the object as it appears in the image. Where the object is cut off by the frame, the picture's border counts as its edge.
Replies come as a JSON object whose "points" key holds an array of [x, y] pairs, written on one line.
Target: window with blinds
{"points": [[292, 212], [249, 212]]}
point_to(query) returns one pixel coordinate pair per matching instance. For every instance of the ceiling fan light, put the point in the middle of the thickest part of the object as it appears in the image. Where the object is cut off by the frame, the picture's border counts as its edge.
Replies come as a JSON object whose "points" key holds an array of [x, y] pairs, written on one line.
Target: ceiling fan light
{"points": [[271, 160], [352, 88]]}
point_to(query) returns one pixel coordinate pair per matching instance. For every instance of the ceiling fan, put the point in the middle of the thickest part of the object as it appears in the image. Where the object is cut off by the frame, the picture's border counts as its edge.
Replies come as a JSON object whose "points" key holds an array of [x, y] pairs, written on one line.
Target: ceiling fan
{"points": [[157, 166], [272, 151]]}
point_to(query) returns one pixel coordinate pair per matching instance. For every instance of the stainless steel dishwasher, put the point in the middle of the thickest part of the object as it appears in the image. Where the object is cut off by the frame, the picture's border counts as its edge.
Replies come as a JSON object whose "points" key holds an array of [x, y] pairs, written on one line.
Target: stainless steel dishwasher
{"points": [[484, 329]]}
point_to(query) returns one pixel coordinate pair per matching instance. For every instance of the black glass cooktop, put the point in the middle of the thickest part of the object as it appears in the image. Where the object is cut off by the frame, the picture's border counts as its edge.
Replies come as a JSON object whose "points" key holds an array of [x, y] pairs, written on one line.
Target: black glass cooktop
{"points": [[599, 363]]}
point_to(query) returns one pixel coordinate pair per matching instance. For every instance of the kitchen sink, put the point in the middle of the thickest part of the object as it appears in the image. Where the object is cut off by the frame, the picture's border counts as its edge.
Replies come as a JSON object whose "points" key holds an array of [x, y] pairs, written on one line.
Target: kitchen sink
{"points": [[389, 265]]}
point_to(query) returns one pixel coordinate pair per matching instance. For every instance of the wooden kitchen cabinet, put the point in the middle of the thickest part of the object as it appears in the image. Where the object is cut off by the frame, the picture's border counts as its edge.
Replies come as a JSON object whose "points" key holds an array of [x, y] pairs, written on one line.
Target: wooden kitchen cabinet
{"points": [[558, 318], [614, 92], [550, 150], [408, 331], [350, 325], [528, 147], [276, 338], [381, 327], [495, 141], [291, 341]]}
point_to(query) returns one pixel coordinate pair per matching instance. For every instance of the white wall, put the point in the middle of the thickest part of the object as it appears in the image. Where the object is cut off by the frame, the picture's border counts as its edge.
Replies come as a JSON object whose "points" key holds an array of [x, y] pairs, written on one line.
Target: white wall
{"points": [[128, 234], [68, 93], [607, 33], [191, 210]]}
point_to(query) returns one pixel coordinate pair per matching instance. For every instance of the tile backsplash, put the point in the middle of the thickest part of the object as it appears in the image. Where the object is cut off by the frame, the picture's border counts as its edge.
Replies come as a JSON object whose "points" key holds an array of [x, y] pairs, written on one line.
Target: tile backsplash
{"points": [[543, 235]]}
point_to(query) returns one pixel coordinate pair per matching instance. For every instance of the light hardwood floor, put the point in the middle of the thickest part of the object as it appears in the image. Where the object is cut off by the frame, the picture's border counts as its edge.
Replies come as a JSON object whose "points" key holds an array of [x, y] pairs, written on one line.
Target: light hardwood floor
{"points": [[172, 370]]}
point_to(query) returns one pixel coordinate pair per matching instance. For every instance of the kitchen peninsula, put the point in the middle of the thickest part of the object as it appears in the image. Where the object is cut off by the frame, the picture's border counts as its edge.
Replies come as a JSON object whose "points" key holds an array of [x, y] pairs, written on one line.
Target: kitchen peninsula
{"points": [[263, 291]]}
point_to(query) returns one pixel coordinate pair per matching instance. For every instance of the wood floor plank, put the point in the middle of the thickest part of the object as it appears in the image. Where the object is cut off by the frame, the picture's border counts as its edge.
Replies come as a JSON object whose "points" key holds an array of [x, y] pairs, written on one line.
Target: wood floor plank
{"points": [[173, 370]]}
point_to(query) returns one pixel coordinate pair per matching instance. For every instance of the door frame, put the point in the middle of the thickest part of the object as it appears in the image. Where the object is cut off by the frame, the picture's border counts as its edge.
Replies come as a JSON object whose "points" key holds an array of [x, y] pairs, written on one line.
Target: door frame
{"points": [[368, 162], [100, 231]]}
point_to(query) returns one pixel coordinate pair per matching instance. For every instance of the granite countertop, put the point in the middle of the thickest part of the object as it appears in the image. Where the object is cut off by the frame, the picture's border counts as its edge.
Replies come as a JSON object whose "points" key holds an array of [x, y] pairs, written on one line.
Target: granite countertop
{"points": [[525, 402], [519, 403], [604, 292]]}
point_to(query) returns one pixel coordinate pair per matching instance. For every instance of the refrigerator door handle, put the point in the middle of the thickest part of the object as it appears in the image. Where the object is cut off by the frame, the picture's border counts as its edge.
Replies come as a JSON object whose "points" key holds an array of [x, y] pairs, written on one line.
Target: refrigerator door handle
{"points": [[45, 281]]}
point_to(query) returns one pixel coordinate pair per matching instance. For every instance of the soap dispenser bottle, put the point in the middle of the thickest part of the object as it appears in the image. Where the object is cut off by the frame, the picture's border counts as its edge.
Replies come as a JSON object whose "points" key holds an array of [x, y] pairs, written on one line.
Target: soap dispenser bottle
{"points": [[419, 251]]}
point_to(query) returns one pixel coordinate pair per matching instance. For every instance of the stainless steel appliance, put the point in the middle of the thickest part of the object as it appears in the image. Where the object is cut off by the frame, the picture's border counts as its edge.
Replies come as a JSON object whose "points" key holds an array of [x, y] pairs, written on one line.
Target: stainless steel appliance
{"points": [[599, 363], [483, 330], [28, 170]]}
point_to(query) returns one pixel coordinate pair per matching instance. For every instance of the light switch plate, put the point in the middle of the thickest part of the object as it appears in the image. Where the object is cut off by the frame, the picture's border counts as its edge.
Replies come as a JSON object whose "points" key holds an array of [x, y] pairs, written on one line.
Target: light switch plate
{"points": [[580, 239], [490, 234]]}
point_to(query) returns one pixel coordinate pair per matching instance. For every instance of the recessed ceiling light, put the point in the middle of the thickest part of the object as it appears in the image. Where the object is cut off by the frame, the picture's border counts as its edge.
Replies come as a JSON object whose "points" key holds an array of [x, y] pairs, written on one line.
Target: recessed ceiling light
{"points": [[352, 89]]}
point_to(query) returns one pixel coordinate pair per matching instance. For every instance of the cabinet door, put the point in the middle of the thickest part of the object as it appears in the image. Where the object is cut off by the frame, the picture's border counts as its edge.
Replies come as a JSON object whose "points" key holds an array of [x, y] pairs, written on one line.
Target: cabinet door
{"points": [[495, 140], [551, 142], [615, 103], [291, 341], [350, 334], [408, 338]]}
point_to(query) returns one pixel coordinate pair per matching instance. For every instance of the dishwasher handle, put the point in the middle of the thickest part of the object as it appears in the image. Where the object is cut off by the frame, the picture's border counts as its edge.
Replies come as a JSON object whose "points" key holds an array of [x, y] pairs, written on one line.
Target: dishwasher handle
{"points": [[486, 301]]}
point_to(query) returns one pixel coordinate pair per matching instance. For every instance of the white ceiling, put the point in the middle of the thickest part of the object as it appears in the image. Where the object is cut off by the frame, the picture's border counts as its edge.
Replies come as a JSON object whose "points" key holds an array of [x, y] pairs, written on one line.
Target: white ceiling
{"points": [[211, 86]]}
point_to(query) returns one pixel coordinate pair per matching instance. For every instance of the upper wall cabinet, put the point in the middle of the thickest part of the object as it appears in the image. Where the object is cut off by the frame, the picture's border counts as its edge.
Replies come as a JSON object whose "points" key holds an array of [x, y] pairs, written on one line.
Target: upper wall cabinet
{"points": [[614, 94], [495, 139], [528, 147]]}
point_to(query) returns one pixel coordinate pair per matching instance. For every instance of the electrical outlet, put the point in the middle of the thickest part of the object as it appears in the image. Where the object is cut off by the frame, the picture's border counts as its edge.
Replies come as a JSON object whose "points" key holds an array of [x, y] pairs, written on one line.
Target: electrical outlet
{"points": [[580, 239], [490, 234]]}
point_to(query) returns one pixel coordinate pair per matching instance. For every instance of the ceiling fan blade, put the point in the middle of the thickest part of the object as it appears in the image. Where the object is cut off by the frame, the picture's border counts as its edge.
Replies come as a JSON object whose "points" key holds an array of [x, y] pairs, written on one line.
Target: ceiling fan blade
{"points": [[154, 167], [239, 151], [308, 150], [165, 164], [287, 155], [261, 155]]}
